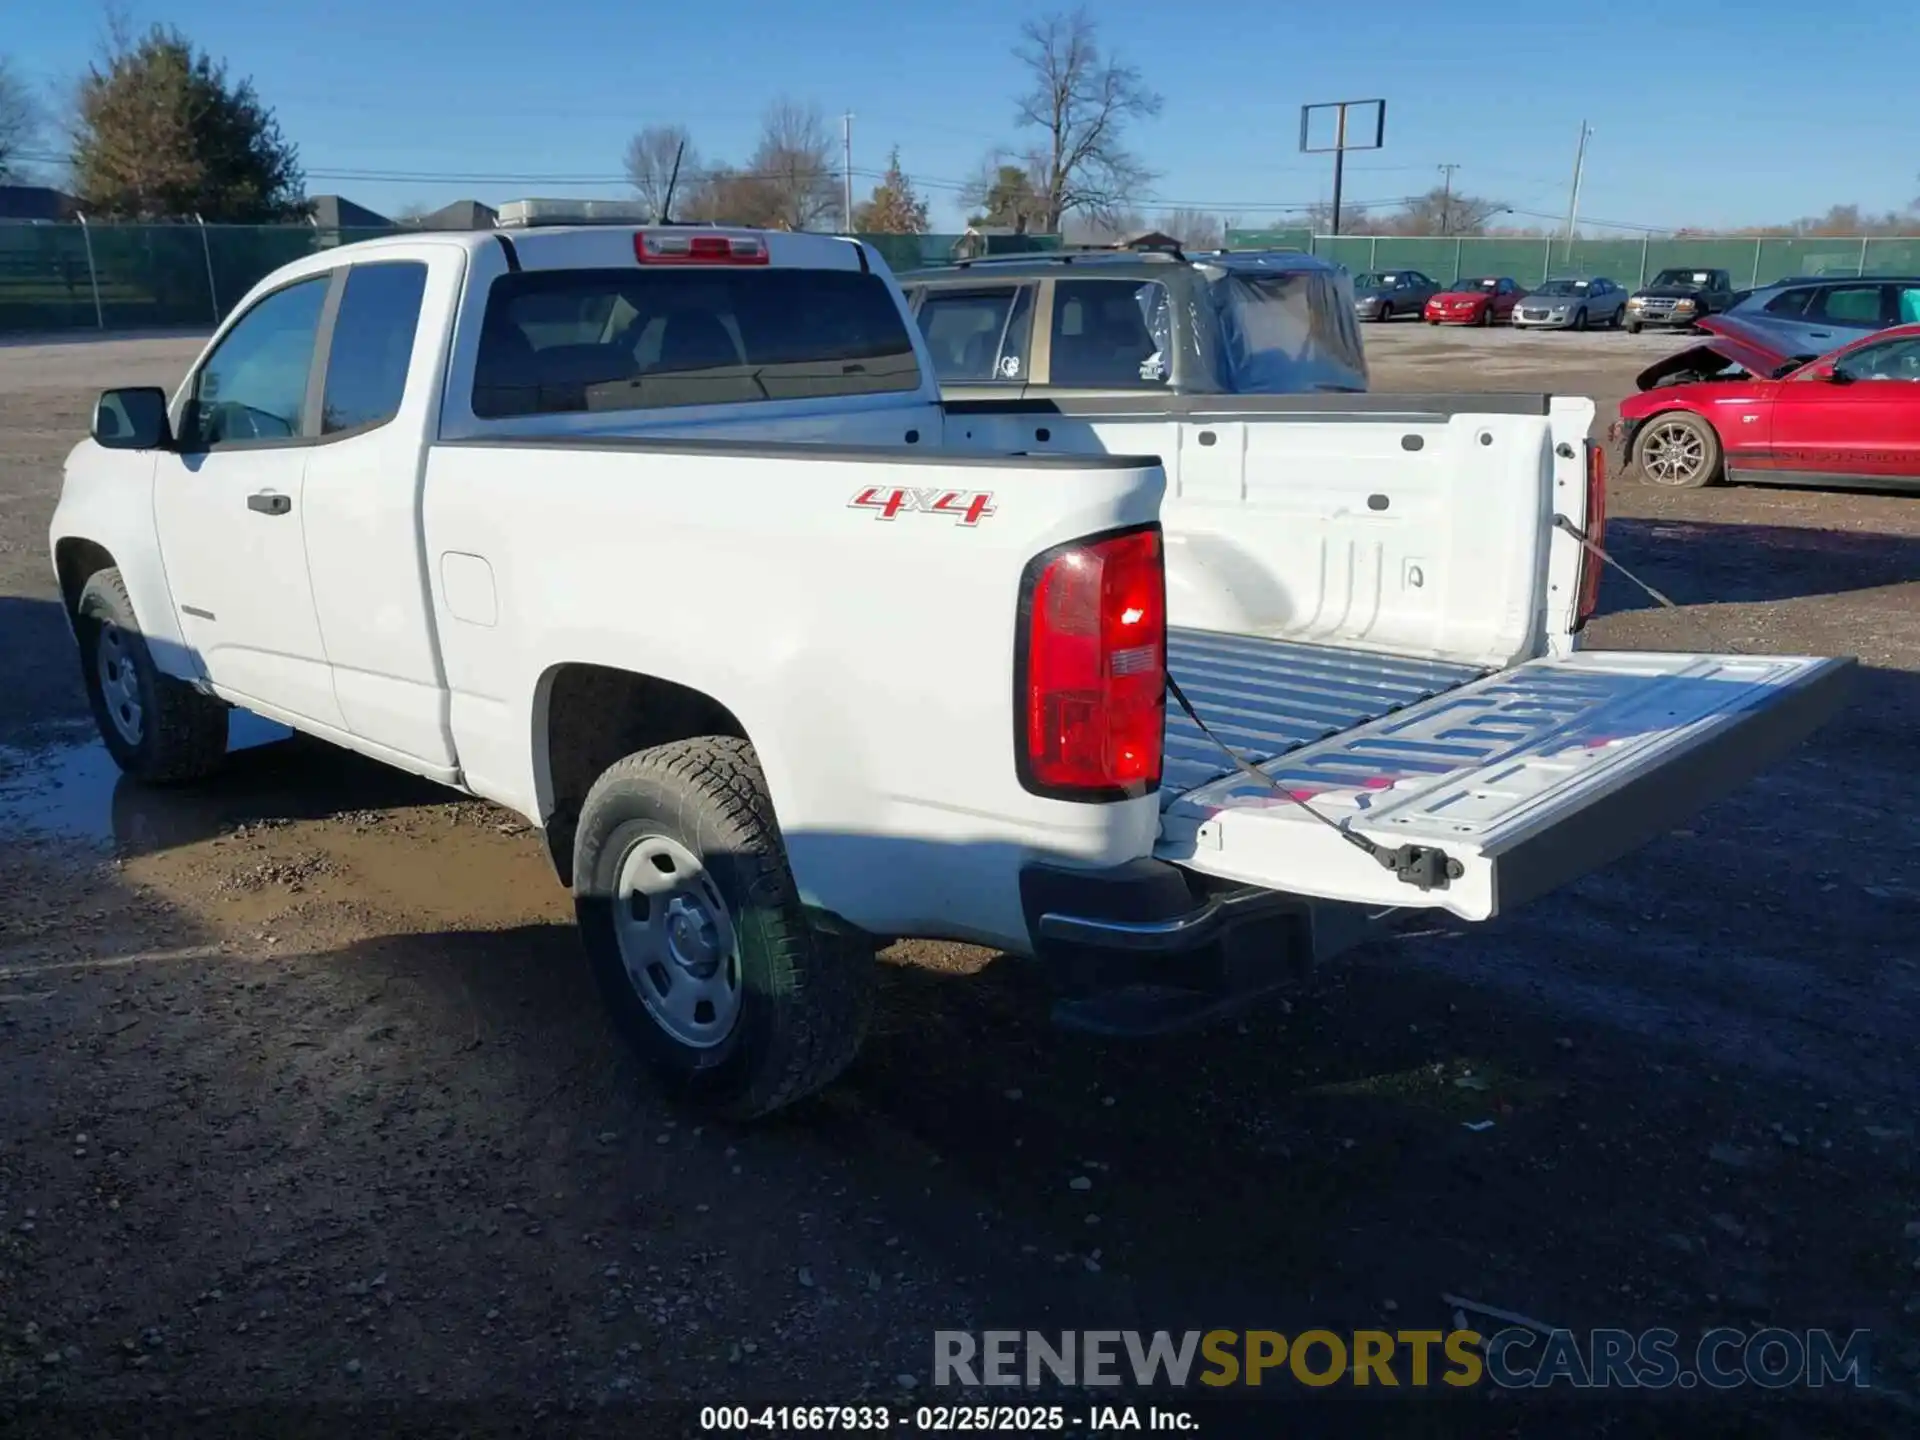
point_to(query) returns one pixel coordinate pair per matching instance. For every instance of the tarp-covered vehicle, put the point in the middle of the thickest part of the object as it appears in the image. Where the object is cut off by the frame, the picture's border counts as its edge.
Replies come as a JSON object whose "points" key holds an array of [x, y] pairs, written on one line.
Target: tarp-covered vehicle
{"points": [[1119, 322]]}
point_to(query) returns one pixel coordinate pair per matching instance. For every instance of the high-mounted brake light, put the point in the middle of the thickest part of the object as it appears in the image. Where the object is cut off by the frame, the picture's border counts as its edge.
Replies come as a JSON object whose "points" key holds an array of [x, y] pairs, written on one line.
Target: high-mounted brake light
{"points": [[1091, 677], [677, 247], [1595, 524]]}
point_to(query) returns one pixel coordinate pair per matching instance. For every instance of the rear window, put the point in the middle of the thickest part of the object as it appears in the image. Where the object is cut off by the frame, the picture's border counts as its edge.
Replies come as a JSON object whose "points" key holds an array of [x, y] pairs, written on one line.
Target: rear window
{"points": [[569, 341]]}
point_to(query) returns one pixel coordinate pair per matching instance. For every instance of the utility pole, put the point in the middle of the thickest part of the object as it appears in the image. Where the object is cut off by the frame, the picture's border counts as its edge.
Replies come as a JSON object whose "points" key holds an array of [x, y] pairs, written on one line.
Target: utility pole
{"points": [[1446, 198], [1339, 164], [1579, 167], [846, 123]]}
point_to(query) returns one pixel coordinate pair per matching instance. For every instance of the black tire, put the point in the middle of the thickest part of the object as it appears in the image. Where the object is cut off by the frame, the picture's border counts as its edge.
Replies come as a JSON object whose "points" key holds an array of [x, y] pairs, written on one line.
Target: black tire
{"points": [[158, 729], [1434, 323], [1664, 448], [1634, 327], [1580, 319], [803, 995], [1486, 318], [1385, 313]]}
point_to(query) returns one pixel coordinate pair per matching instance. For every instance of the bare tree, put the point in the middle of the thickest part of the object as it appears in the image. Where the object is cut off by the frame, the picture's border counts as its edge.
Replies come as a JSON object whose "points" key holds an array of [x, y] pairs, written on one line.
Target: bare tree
{"points": [[19, 123], [651, 157], [1194, 229], [793, 168], [1081, 102]]}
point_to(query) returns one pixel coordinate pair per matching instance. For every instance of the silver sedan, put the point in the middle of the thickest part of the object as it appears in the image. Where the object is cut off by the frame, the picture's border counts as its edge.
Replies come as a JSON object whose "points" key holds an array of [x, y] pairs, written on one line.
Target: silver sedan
{"points": [[1572, 305]]}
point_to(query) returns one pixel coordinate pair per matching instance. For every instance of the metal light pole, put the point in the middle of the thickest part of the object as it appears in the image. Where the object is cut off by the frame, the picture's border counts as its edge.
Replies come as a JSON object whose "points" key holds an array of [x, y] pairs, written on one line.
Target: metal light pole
{"points": [[1446, 198], [1579, 168], [846, 123]]}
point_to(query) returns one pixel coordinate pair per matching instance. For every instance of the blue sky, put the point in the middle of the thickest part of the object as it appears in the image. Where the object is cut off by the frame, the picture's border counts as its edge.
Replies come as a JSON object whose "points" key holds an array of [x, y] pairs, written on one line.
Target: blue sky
{"points": [[1808, 106]]}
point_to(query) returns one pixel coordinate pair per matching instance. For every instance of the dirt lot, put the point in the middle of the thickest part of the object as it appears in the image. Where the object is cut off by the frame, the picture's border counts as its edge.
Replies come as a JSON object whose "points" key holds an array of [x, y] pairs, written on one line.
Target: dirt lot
{"points": [[305, 1096]]}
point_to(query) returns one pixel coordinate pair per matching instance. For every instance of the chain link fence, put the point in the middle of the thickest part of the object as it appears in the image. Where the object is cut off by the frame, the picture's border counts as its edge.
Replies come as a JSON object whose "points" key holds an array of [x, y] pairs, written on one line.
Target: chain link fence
{"points": [[73, 276], [1751, 260]]}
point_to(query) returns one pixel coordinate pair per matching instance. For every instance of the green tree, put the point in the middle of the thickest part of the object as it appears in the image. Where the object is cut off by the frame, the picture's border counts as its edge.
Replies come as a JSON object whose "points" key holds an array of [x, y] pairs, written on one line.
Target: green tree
{"points": [[894, 208], [162, 132], [1006, 195]]}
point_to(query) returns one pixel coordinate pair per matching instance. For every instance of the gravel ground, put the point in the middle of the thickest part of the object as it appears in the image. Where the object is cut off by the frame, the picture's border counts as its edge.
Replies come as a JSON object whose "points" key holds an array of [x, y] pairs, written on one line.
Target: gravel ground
{"points": [[305, 1099]]}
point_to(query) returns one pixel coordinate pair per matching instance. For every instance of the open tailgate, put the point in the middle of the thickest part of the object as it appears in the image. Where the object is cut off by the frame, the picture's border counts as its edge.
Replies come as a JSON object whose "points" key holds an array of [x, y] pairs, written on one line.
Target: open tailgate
{"points": [[1526, 779]]}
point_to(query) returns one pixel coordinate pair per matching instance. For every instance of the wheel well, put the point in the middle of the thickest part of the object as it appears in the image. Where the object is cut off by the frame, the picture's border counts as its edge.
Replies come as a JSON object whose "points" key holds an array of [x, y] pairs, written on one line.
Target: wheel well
{"points": [[594, 716], [76, 562]]}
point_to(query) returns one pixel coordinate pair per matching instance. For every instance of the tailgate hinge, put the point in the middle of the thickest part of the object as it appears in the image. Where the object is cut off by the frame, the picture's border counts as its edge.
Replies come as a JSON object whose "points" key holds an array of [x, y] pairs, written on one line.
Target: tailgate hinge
{"points": [[1424, 866]]}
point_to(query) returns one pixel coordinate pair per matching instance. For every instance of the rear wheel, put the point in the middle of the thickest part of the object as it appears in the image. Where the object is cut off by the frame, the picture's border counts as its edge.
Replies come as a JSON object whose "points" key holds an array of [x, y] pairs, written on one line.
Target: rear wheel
{"points": [[157, 728], [697, 939], [1679, 451]]}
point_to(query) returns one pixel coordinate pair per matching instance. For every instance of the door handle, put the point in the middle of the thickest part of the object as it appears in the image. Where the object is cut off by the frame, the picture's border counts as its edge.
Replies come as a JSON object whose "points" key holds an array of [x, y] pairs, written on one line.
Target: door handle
{"points": [[270, 502]]}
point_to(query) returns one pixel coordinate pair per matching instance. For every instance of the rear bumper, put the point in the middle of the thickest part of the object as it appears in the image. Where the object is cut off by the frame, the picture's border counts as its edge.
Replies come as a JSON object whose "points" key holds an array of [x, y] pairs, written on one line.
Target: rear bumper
{"points": [[1146, 948]]}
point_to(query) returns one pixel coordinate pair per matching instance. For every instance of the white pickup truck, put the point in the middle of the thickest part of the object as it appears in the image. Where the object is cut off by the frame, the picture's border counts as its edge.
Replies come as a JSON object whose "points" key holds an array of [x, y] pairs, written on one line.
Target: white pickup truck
{"points": [[663, 539]]}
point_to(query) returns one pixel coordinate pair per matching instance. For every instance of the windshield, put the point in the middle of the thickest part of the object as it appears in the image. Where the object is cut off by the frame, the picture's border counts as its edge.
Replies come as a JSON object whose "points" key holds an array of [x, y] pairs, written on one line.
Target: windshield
{"points": [[1486, 282], [1683, 277], [1287, 333], [1377, 280], [1563, 287]]}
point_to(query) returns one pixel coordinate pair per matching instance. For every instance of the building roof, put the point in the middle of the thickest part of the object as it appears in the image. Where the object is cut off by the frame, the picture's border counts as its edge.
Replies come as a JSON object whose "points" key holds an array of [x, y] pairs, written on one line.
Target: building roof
{"points": [[460, 215], [336, 212], [36, 202]]}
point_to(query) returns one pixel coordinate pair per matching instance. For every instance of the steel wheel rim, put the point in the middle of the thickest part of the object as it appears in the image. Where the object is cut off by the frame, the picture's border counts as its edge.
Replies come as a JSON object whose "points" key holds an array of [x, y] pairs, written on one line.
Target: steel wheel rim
{"points": [[677, 943], [119, 683], [1673, 454]]}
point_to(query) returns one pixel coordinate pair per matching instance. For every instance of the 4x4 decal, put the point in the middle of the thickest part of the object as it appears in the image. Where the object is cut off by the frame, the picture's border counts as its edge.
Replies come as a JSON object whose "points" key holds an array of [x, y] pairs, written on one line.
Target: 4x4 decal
{"points": [[967, 507]]}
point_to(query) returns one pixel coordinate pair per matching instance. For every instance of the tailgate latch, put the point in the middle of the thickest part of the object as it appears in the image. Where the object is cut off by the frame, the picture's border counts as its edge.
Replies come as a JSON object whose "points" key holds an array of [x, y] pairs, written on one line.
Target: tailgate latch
{"points": [[1420, 865]]}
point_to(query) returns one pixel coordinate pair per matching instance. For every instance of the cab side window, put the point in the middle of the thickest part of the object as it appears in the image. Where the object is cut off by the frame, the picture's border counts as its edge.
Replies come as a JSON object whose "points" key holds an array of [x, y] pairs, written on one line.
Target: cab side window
{"points": [[253, 388], [372, 345]]}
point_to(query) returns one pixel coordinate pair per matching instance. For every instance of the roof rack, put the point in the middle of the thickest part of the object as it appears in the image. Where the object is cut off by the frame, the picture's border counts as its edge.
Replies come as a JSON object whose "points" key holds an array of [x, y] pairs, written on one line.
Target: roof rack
{"points": [[1067, 254]]}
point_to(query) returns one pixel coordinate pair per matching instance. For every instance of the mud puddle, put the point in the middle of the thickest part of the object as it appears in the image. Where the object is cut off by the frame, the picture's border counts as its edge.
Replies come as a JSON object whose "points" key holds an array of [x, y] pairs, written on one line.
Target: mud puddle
{"points": [[292, 833]]}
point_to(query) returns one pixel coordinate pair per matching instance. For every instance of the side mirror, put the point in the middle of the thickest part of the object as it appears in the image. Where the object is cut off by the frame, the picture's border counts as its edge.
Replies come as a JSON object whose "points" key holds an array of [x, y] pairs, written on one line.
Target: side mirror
{"points": [[1832, 374], [132, 419]]}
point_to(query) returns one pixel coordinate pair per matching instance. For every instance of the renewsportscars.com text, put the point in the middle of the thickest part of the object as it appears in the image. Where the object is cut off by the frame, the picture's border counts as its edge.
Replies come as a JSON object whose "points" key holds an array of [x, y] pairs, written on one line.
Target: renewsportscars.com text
{"points": [[1512, 1358]]}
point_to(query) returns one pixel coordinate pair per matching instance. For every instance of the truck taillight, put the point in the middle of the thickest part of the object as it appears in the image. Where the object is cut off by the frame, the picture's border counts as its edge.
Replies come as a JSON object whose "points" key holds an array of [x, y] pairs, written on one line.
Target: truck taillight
{"points": [[1091, 673], [677, 247], [1595, 525]]}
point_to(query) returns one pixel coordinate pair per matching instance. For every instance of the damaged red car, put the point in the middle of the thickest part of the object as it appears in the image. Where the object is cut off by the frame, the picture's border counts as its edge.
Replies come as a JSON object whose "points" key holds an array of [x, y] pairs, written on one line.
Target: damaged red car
{"points": [[1739, 408]]}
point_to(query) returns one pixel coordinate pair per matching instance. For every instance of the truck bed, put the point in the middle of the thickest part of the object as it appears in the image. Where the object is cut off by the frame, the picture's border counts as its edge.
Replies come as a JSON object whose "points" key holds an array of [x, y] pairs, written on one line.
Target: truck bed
{"points": [[1266, 697]]}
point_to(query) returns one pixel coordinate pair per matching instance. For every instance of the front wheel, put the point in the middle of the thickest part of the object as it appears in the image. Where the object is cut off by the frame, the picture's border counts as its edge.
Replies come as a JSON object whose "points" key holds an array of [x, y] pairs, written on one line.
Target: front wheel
{"points": [[1386, 314], [1678, 450], [1579, 319], [156, 728], [697, 939], [1634, 327], [1434, 323], [1486, 318]]}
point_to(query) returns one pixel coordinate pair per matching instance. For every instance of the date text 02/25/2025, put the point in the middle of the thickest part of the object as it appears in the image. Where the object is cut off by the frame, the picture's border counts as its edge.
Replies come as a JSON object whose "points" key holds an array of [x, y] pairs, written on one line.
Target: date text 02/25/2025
{"points": [[943, 1419]]}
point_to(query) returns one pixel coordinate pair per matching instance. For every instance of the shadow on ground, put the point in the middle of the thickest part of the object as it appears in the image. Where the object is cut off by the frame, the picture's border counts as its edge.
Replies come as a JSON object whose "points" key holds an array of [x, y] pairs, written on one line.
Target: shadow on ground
{"points": [[1697, 562]]}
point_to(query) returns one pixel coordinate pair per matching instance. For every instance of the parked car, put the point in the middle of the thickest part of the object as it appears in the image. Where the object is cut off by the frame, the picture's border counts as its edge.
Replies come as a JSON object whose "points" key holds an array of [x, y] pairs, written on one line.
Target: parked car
{"points": [[1388, 294], [1677, 297], [1123, 322], [1572, 305], [1739, 407], [1812, 315], [1487, 300], [663, 538]]}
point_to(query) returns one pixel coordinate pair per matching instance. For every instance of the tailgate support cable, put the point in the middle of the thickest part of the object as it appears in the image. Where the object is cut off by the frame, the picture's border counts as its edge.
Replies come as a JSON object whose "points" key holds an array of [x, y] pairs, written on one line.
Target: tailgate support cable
{"points": [[1424, 866], [1585, 542]]}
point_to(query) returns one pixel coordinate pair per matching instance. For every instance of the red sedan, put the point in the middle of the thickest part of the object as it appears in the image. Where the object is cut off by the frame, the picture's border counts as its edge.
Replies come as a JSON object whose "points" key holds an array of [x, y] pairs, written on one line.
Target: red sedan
{"points": [[1739, 408], [1486, 301]]}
